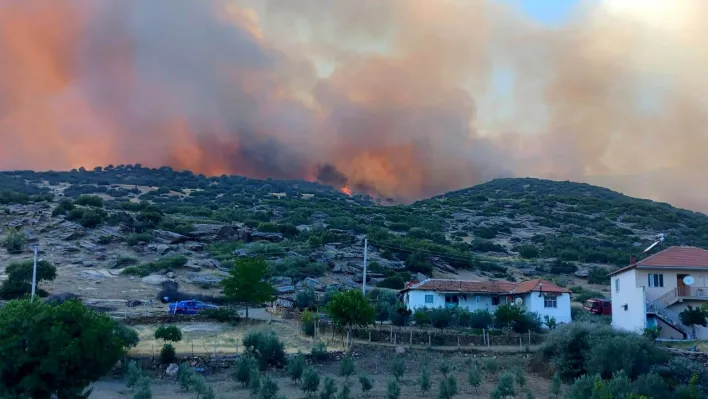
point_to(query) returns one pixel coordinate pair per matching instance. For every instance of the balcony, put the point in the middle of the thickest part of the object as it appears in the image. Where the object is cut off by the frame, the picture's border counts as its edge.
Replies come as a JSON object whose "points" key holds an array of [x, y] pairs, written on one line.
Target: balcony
{"points": [[692, 292]]}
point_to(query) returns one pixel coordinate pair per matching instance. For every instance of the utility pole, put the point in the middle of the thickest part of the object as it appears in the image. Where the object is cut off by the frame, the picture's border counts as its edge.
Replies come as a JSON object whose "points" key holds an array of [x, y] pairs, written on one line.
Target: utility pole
{"points": [[366, 261], [34, 274]]}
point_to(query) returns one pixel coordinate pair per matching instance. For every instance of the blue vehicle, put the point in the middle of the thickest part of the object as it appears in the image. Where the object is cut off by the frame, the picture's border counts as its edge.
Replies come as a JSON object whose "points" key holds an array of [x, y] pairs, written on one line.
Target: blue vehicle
{"points": [[189, 307]]}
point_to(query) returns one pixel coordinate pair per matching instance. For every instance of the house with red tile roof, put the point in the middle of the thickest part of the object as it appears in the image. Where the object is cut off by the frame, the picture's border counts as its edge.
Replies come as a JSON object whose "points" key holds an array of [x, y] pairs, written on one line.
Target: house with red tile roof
{"points": [[540, 296], [655, 290]]}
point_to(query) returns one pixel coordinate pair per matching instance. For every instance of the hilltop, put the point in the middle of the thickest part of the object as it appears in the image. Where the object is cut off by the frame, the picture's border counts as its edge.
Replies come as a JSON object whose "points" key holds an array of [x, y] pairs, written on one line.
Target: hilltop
{"points": [[124, 232]]}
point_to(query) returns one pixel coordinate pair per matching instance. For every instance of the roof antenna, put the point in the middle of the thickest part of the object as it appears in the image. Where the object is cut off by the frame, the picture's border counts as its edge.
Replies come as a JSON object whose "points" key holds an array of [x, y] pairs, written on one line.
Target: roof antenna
{"points": [[659, 240]]}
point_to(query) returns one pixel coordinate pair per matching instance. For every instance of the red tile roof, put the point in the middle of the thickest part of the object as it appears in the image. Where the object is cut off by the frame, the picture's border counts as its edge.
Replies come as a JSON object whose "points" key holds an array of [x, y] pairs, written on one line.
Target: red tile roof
{"points": [[491, 287], [676, 257]]}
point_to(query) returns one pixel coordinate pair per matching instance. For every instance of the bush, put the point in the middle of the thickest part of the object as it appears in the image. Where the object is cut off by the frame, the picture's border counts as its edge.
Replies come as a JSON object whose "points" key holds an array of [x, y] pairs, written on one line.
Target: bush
{"points": [[329, 389], [424, 380], [65, 205], [296, 366], [474, 378], [310, 381], [242, 373], [319, 351], [143, 390], [307, 321], [398, 367], [421, 317], [222, 314], [447, 388], [505, 387], [19, 278], [137, 238], [123, 261], [394, 282], [14, 241], [393, 390], [132, 374], [168, 354], [347, 367], [89, 200], [168, 333], [441, 318], [598, 275], [269, 388], [266, 348], [528, 251], [306, 299], [366, 384], [87, 217]]}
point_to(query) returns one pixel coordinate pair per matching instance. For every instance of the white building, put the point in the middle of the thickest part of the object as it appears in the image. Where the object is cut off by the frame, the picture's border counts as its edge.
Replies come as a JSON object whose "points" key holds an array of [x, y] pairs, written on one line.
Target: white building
{"points": [[538, 296], [655, 290]]}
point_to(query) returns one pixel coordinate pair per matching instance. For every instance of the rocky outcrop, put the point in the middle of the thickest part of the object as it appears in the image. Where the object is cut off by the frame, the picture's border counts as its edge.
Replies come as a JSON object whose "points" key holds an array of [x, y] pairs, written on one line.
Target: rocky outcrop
{"points": [[155, 279], [263, 236], [214, 232], [167, 237], [202, 279]]}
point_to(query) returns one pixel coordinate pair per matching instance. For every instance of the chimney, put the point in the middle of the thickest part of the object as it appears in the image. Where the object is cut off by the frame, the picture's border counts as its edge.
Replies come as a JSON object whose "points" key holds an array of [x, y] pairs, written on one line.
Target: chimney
{"points": [[632, 260]]}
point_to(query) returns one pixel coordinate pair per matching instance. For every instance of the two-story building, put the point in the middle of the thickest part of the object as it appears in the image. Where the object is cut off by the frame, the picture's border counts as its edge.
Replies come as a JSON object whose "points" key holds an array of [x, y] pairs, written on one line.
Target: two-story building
{"points": [[655, 290], [540, 296]]}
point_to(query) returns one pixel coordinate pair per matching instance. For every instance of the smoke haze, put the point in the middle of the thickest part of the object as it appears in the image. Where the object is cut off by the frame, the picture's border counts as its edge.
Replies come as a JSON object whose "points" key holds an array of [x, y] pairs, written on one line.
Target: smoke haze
{"points": [[401, 98]]}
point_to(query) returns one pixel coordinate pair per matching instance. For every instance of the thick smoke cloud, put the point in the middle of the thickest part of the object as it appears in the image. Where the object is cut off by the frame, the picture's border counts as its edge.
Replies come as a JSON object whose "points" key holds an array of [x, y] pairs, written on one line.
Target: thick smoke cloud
{"points": [[400, 98]]}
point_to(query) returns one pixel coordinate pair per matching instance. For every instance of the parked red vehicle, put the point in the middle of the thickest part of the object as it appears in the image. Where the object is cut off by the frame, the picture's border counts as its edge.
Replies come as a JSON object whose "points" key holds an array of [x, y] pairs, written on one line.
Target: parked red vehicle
{"points": [[598, 306]]}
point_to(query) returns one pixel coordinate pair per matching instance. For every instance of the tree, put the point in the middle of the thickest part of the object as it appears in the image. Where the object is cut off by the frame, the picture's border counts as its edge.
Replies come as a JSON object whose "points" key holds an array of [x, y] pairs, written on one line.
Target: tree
{"points": [[350, 309], [345, 392], [246, 283], [269, 388], [393, 390], [692, 317], [295, 367], [57, 348], [398, 368], [14, 241], [440, 318], [305, 299], [19, 278], [366, 384], [168, 334], [555, 389], [347, 368], [329, 389], [474, 377], [310, 381], [242, 373], [424, 381], [505, 387], [447, 388]]}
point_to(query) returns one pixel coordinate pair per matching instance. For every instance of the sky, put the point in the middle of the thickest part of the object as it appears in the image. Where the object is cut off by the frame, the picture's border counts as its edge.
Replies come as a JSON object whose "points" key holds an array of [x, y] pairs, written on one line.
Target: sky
{"points": [[548, 12]]}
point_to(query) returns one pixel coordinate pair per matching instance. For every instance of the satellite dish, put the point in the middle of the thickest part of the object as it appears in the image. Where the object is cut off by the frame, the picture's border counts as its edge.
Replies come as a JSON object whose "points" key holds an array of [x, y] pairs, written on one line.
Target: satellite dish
{"points": [[519, 301], [689, 280]]}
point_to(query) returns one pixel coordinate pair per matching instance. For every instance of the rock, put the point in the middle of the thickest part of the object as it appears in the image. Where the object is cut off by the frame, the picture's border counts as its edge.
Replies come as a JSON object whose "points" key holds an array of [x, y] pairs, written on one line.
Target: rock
{"points": [[285, 289], [155, 279], [281, 280], [109, 231], [68, 249], [172, 370], [194, 246], [208, 263], [311, 283], [171, 275], [70, 231], [88, 263], [202, 279], [167, 237], [272, 237], [62, 297], [91, 247], [101, 256], [192, 266], [241, 253], [91, 275], [212, 232], [400, 350], [170, 285], [163, 249], [581, 274]]}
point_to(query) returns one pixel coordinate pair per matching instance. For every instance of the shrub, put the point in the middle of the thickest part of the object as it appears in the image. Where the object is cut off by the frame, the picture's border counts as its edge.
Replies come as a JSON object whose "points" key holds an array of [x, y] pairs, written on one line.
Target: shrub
{"points": [[123, 261], [347, 367], [319, 351], [269, 388], [394, 282], [474, 378], [19, 278], [143, 390], [266, 348], [481, 319], [14, 241], [329, 389], [366, 384], [132, 374], [254, 383], [168, 354], [137, 238], [528, 251], [398, 367], [184, 377], [242, 372], [87, 217], [296, 366], [447, 389], [310, 381], [65, 205], [307, 321], [393, 390], [168, 333], [89, 200], [305, 299], [222, 314], [345, 392], [505, 387], [424, 380], [441, 318], [491, 366], [598, 275], [421, 317]]}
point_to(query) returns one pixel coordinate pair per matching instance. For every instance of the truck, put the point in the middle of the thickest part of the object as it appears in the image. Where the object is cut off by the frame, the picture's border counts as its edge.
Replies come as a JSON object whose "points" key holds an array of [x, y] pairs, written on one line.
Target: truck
{"points": [[189, 307], [598, 306]]}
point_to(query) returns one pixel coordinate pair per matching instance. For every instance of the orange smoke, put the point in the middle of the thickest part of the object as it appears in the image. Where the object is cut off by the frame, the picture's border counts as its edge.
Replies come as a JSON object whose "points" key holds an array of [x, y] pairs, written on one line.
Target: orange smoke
{"points": [[399, 99]]}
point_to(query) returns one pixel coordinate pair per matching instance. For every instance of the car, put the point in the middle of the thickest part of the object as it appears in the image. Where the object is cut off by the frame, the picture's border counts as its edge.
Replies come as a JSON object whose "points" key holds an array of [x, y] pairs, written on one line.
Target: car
{"points": [[598, 306], [189, 307]]}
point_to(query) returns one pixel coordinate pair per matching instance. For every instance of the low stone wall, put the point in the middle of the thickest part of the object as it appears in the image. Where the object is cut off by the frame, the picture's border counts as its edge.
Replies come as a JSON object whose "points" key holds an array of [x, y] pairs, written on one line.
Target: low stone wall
{"points": [[700, 357]]}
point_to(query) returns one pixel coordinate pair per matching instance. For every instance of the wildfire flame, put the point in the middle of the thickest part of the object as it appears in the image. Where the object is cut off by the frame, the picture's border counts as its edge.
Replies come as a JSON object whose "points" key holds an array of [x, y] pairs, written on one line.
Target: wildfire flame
{"points": [[346, 190]]}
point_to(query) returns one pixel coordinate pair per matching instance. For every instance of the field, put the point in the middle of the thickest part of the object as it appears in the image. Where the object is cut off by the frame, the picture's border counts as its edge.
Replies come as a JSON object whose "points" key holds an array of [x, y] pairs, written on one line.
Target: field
{"points": [[375, 362]]}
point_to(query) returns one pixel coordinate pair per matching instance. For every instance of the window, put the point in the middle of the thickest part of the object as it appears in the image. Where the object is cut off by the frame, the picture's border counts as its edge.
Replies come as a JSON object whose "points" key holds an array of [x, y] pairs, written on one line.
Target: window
{"points": [[550, 302], [428, 299], [656, 280], [617, 285], [495, 300]]}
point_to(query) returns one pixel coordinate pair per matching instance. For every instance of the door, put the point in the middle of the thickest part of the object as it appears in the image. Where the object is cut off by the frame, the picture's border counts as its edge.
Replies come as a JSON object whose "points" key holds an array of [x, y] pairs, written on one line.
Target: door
{"points": [[682, 288]]}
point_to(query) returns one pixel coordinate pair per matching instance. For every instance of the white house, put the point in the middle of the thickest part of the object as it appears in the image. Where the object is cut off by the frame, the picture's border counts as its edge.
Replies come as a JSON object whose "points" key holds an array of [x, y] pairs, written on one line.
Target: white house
{"points": [[655, 290], [538, 296]]}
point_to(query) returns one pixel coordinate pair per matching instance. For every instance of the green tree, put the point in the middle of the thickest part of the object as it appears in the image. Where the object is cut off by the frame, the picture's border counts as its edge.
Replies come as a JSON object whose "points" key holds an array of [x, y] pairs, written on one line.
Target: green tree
{"points": [[345, 392], [296, 366], [242, 372], [474, 377], [310, 381], [269, 388], [329, 389], [398, 367], [19, 278], [555, 389], [347, 368], [168, 334], [247, 283], [505, 387], [447, 389], [350, 309], [393, 390], [366, 384], [57, 348], [424, 381], [14, 241]]}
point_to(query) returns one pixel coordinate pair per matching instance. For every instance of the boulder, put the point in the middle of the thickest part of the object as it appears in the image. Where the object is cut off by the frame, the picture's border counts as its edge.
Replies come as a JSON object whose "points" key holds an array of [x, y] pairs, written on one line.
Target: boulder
{"points": [[212, 232], [91, 247], [155, 279], [262, 236], [109, 231], [167, 237], [400, 350], [194, 246], [203, 279], [582, 274], [172, 370], [62, 297]]}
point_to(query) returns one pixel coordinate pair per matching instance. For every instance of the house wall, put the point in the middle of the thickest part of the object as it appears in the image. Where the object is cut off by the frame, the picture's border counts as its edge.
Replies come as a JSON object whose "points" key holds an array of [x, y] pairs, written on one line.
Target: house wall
{"points": [[472, 302], [633, 318], [665, 330], [670, 280], [535, 303], [701, 332]]}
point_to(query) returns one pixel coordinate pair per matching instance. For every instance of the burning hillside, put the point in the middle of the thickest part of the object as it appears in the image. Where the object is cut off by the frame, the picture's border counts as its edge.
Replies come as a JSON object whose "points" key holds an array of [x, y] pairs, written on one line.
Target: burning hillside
{"points": [[401, 99]]}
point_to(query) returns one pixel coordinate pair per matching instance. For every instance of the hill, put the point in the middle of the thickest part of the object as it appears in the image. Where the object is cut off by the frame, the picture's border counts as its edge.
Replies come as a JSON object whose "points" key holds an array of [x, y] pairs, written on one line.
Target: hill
{"points": [[131, 229]]}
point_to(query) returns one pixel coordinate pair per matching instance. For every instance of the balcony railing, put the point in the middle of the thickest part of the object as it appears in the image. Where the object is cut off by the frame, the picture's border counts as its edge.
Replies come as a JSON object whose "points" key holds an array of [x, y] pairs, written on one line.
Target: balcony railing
{"points": [[693, 292]]}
